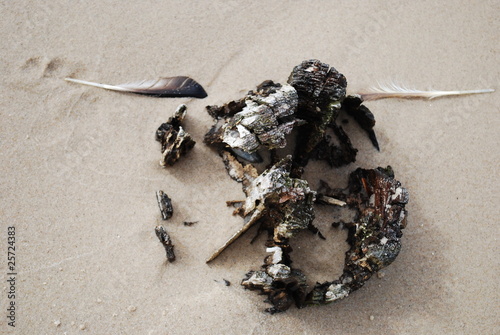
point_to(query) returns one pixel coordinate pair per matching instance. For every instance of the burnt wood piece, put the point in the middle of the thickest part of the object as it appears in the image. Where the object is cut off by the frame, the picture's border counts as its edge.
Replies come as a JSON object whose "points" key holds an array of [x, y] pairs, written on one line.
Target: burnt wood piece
{"points": [[165, 239], [165, 205], [175, 141]]}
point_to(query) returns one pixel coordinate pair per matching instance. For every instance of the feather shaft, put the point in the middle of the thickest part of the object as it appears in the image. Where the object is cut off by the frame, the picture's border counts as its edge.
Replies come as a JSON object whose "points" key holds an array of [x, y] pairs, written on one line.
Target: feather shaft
{"points": [[396, 91], [89, 83], [179, 86]]}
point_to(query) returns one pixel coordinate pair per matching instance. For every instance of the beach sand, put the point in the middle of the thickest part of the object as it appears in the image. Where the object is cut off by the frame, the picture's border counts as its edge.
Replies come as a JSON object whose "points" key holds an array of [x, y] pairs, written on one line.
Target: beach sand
{"points": [[79, 165]]}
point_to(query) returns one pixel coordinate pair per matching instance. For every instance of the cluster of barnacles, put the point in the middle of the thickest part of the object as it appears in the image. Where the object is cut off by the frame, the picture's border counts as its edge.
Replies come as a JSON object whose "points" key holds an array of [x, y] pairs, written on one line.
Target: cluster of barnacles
{"points": [[282, 203], [279, 200]]}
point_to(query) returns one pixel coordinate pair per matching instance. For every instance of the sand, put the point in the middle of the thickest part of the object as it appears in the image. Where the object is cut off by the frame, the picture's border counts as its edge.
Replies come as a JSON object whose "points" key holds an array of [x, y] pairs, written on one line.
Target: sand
{"points": [[79, 165]]}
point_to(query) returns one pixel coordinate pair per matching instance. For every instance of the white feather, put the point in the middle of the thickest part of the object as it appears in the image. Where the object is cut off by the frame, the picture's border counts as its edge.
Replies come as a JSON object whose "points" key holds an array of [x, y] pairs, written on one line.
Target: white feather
{"points": [[393, 90]]}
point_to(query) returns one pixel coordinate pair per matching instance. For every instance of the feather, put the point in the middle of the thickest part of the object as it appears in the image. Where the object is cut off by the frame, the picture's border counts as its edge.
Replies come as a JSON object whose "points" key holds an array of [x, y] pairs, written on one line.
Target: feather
{"points": [[393, 90], [163, 87]]}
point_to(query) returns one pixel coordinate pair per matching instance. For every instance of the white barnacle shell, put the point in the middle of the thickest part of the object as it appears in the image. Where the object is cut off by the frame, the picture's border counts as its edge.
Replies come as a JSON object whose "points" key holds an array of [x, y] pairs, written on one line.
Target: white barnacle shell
{"points": [[336, 292], [258, 279], [266, 184], [284, 101], [261, 123], [277, 254], [278, 271], [240, 137]]}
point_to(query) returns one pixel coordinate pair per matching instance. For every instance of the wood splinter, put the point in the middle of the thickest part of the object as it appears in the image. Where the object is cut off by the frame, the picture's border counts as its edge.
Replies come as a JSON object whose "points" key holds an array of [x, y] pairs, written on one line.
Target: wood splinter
{"points": [[255, 216]]}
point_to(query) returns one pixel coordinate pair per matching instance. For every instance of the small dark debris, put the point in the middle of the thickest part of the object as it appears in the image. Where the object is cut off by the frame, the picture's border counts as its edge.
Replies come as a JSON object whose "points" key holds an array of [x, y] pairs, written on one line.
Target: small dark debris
{"points": [[165, 205], [335, 155], [175, 142], [189, 223], [337, 224], [362, 115], [313, 229], [166, 241]]}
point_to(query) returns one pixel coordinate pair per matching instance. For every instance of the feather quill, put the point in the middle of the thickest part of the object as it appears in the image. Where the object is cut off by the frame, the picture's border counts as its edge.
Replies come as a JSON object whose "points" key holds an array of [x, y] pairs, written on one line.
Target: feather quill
{"points": [[393, 90], [179, 86]]}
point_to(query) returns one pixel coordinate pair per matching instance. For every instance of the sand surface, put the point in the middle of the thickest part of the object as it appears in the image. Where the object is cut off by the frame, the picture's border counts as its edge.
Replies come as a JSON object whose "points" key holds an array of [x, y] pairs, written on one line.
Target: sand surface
{"points": [[79, 166]]}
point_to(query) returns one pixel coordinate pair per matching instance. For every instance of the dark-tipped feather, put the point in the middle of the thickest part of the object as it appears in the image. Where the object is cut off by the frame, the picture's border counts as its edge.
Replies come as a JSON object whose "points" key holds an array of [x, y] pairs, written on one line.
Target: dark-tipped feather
{"points": [[174, 87]]}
